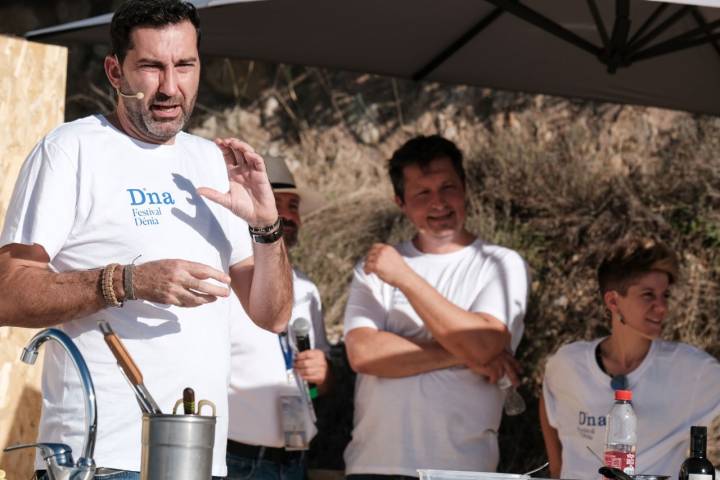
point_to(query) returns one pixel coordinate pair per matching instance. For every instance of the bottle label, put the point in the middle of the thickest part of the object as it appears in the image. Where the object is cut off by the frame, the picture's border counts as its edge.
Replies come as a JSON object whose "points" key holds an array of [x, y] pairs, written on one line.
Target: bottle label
{"points": [[625, 461], [699, 476]]}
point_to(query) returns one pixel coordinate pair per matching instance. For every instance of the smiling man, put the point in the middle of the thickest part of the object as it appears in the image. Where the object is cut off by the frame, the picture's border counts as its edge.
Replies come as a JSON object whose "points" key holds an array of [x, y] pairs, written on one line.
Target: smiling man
{"points": [[102, 192], [429, 324]]}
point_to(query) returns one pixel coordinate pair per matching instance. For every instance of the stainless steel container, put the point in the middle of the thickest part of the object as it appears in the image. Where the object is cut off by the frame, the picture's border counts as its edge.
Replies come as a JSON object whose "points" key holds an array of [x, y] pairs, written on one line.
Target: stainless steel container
{"points": [[177, 447]]}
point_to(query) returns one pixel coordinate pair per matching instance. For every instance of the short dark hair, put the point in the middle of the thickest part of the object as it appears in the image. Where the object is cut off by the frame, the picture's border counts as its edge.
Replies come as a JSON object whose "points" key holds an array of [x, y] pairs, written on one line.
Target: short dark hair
{"points": [[421, 151], [148, 13], [633, 257]]}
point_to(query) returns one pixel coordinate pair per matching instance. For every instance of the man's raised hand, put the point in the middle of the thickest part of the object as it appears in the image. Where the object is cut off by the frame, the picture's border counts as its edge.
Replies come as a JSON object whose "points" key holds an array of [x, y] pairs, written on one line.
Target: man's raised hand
{"points": [[250, 196]]}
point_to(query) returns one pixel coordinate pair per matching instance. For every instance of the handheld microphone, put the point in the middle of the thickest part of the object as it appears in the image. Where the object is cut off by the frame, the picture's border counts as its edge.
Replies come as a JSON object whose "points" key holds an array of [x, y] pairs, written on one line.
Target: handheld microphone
{"points": [[301, 332], [138, 95]]}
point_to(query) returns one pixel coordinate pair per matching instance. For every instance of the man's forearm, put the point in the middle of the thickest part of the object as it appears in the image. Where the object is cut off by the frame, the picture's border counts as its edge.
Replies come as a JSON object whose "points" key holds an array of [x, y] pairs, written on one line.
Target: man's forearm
{"points": [[473, 337], [33, 296], [386, 354], [37, 298], [271, 292]]}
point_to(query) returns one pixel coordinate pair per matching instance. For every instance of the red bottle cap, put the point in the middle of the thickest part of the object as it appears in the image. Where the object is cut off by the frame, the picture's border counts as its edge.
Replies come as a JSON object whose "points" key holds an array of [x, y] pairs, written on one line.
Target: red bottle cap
{"points": [[623, 395]]}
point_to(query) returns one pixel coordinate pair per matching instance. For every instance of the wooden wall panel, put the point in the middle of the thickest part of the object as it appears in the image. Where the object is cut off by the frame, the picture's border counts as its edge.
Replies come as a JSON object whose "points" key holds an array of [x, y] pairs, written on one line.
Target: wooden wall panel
{"points": [[32, 102]]}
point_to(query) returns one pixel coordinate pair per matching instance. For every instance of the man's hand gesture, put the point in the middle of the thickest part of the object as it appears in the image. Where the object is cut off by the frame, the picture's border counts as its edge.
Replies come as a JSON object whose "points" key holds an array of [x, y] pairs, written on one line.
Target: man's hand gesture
{"points": [[250, 196]]}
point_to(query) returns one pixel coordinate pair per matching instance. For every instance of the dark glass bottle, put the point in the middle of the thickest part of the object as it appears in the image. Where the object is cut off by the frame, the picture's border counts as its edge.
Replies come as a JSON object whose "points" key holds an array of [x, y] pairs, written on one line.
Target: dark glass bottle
{"points": [[697, 466]]}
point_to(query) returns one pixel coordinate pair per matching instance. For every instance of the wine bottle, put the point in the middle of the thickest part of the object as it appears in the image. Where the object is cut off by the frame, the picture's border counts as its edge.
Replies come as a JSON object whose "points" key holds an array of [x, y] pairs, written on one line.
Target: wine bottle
{"points": [[697, 466]]}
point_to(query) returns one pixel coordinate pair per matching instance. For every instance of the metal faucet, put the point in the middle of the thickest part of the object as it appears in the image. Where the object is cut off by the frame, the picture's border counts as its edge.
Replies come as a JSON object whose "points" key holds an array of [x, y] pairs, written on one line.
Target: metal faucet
{"points": [[58, 456]]}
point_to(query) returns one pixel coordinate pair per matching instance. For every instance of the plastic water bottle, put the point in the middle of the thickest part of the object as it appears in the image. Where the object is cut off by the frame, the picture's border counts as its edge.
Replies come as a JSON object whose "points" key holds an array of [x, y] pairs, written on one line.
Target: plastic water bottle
{"points": [[621, 434], [514, 403]]}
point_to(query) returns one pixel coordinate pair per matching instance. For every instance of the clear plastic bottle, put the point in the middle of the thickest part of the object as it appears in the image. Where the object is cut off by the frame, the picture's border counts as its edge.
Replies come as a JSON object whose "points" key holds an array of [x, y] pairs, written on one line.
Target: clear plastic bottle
{"points": [[514, 402], [621, 434]]}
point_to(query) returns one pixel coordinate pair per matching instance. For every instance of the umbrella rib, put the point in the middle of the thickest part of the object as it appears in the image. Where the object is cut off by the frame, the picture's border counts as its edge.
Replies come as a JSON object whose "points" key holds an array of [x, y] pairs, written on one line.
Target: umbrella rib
{"points": [[531, 16], [703, 29], [599, 23], [669, 22], [700, 19], [448, 52], [672, 46], [648, 23], [685, 40], [618, 42]]}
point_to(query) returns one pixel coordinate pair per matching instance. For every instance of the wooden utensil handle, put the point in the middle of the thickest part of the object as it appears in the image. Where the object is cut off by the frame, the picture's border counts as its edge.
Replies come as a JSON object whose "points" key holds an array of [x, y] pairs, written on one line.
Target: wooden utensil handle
{"points": [[124, 359]]}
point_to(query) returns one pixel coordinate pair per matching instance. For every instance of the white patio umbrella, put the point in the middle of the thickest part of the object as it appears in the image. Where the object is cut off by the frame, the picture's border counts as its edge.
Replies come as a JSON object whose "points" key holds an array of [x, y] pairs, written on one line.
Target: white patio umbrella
{"points": [[628, 51]]}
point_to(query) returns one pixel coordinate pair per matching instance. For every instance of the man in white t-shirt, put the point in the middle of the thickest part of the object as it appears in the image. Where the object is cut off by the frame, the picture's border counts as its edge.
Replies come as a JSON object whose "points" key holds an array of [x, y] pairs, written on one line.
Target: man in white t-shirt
{"points": [[262, 373], [99, 192], [429, 326]]}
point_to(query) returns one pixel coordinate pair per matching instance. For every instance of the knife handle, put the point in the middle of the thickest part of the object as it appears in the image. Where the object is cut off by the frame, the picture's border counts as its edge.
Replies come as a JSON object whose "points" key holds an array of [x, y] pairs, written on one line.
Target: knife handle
{"points": [[124, 359]]}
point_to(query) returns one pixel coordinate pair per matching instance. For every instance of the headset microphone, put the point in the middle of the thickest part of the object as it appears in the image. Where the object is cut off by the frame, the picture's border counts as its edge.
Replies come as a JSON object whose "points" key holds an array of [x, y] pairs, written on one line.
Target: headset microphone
{"points": [[138, 95]]}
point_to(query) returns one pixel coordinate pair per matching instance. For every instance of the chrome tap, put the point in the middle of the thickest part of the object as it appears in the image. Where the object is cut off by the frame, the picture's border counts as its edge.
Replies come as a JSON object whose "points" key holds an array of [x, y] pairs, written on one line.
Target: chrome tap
{"points": [[58, 456]]}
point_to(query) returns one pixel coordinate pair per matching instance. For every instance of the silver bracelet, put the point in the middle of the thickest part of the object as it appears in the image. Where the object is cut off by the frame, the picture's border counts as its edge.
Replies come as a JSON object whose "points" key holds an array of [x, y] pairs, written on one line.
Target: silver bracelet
{"points": [[266, 229]]}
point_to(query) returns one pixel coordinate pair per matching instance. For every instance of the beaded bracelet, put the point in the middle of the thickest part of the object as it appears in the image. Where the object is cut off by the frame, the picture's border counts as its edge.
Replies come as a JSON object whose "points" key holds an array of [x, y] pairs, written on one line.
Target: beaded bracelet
{"points": [[108, 290]]}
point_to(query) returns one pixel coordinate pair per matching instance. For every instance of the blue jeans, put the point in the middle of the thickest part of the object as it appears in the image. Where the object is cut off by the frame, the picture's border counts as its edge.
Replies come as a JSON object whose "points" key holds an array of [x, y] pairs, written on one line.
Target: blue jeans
{"points": [[244, 468], [375, 476], [116, 475]]}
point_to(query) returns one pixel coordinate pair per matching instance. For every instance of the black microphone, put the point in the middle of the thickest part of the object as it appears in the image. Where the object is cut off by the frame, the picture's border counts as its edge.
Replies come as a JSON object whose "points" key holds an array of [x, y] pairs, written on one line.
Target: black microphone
{"points": [[301, 332]]}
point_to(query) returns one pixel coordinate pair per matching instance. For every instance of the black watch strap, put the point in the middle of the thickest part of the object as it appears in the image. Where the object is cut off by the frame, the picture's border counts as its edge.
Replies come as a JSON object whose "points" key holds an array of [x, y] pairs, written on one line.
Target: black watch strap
{"points": [[267, 237]]}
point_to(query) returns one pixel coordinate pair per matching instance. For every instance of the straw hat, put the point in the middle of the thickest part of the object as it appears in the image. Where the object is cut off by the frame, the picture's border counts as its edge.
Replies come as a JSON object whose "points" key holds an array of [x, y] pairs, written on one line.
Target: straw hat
{"points": [[283, 181]]}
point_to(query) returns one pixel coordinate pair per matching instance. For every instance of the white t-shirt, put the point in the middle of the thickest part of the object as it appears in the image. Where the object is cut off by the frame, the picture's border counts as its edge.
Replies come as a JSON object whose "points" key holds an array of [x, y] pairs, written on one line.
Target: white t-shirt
{"points": [[444, 419], [91, 196], [258, 375], [676, 386]]}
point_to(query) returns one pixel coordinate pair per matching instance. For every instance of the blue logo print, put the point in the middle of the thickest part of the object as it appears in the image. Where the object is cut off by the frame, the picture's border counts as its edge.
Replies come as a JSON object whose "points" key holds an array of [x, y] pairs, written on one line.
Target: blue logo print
{"points": [[149, 205]]}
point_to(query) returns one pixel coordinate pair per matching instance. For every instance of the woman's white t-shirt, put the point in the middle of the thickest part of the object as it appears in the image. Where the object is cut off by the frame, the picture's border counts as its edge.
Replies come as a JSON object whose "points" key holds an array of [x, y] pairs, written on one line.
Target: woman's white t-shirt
{"points": [[676, 386]]}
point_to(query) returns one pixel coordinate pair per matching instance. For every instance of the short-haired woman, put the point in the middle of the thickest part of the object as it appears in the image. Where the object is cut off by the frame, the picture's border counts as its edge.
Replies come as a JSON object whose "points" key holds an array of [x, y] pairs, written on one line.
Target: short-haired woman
{"points": [[674, 385]]}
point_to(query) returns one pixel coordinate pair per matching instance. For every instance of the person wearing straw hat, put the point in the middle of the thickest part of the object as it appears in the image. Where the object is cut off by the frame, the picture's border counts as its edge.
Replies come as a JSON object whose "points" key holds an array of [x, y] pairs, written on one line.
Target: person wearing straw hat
{"points": [[266, 367]]}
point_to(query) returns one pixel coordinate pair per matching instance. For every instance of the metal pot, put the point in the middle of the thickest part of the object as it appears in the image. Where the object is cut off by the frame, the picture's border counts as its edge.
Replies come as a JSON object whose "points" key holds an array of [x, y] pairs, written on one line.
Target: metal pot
{"points": [[177, 447]]}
